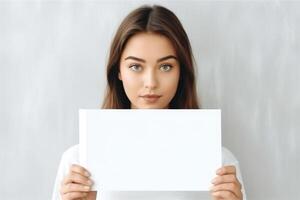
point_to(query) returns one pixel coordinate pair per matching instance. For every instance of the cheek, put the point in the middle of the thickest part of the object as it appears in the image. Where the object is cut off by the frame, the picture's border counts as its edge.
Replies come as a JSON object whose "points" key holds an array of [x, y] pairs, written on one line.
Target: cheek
{"points": [[131, 83], [170, 85]]}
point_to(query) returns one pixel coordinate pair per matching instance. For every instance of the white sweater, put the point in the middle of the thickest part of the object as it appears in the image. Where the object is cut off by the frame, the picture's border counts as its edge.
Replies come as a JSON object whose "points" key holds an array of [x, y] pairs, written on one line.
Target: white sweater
{"points": [[71, 156]]}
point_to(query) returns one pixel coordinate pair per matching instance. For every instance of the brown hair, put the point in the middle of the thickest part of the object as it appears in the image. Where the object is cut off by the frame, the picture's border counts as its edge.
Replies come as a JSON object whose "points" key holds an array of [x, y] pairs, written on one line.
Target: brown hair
{"points": [[156, 19]]}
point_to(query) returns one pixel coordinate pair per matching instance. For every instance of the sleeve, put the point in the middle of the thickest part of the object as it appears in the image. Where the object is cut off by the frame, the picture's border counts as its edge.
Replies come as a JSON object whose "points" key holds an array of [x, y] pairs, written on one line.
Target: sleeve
{"points": [[229, 159], [68, 158]]}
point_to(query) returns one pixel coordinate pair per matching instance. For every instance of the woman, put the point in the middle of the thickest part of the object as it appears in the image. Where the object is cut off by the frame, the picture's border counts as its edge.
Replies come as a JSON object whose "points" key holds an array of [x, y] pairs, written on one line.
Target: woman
{"points": [[150, 65]]}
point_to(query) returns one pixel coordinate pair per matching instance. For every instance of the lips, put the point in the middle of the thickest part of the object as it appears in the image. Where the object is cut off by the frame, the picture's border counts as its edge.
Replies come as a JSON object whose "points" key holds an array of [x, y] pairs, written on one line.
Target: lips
{"points": [[151, 98]]}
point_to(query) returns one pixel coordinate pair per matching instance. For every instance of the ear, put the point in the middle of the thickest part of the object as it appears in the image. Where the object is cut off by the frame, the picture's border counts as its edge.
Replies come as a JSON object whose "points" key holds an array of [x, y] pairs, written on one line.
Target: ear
{"points": [[119, 76]]}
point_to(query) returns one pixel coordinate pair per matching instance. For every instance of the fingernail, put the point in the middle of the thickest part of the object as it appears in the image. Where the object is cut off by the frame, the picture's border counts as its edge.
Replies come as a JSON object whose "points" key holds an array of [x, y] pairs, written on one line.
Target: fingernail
{"points": [[219, 171], [89, 182], [214, 180], [86, 187]]}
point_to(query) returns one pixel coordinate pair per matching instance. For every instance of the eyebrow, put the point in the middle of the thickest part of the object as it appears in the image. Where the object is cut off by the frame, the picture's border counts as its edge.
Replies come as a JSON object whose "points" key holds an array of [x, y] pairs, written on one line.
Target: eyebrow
{"points": [[158, 60]]}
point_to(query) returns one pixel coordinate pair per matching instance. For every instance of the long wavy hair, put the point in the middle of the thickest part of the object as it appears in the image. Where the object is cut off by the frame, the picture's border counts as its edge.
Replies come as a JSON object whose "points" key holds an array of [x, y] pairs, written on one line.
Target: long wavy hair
{"points": [[160, 20]]}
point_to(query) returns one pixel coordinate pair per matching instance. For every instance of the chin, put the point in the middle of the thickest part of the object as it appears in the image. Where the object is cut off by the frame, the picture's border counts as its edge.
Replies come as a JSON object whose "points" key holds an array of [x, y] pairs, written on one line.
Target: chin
{"points": [[150, 107]]}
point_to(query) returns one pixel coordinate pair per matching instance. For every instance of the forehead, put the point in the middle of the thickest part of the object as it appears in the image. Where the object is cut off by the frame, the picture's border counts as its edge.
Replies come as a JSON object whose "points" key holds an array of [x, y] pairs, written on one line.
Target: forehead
{"points": [[148, 46]]}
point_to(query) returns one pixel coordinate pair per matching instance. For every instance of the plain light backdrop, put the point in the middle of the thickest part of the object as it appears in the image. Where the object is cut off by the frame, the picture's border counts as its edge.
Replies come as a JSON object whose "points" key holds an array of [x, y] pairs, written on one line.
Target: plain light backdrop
{"points": [[52, 62]]}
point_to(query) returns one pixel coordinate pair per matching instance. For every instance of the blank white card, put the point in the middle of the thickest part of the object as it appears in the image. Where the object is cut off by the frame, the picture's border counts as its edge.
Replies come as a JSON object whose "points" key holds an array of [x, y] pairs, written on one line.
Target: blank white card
{"points": [[150, 149]]}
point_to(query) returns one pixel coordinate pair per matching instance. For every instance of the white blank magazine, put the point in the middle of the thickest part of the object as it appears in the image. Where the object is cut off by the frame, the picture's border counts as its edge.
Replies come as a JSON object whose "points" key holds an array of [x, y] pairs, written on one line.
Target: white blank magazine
{"points": [[150, 149]]}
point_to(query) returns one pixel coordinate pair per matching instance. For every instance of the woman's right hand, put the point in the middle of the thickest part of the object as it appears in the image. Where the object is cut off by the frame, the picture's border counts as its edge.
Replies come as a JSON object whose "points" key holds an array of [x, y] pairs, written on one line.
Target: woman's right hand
{"points": [[77, 185]]}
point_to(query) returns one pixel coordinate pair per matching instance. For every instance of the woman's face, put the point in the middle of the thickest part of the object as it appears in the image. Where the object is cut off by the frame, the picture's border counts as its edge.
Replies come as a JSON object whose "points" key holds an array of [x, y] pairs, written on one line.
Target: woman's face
{"points": [[149, 66]]}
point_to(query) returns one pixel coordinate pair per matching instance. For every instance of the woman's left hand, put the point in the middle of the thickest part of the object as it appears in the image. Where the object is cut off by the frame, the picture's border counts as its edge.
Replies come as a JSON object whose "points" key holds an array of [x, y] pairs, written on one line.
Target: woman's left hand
{"points": [[226, 186]]}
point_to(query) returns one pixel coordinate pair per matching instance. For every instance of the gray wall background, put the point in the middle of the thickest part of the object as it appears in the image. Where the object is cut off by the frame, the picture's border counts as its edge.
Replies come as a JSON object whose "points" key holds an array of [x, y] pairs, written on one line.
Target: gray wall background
{"points": [[52, 62]]}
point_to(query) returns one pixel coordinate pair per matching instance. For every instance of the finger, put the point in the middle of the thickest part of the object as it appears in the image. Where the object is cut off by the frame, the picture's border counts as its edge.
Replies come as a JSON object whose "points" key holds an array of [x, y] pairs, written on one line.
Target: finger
{"points": [[74, 195], [224, 179], [224, 195], [229, 169], [80, 170], [74, 177], [92, 195], [72, 187], [232, 187]]}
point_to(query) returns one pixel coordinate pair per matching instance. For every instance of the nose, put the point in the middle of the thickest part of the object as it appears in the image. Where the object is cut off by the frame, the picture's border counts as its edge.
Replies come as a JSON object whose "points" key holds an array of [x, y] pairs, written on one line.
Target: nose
{"points": [[150, 80]]}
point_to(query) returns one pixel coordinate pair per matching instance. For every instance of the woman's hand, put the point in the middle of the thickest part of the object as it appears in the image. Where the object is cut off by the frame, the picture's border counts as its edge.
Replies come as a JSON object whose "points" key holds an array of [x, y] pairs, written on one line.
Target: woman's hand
{"points": [[77, 185], [226, 186]]}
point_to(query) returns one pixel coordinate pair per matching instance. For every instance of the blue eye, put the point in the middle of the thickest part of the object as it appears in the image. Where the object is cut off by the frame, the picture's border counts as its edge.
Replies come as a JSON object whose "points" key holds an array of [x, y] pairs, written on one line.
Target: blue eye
{"points": [[166, 67], [135, 67]]}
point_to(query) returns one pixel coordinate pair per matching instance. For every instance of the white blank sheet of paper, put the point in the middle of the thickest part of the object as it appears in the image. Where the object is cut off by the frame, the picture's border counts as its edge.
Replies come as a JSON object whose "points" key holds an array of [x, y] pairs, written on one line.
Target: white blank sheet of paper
{"points": [[150, 149]]}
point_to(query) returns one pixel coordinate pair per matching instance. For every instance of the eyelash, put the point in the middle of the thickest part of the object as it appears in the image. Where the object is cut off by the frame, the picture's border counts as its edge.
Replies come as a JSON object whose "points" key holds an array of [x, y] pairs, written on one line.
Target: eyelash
{"points": [[163, 65]]}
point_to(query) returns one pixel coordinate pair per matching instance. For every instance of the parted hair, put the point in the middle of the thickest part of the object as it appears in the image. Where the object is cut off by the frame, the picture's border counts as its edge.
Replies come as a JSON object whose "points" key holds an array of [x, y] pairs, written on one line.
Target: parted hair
{"points": [[159, 20]]}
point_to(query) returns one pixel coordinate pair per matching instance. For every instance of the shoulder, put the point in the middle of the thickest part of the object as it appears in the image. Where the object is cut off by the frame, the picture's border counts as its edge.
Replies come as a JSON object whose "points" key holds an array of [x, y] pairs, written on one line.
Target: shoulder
{"points": [[72, 151], [71, 155], [227, 157]]}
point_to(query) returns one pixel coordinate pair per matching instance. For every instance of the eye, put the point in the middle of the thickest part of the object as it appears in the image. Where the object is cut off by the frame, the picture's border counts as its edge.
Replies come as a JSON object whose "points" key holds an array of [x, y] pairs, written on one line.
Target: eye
{"points": [[135, 67], [166, 67]]}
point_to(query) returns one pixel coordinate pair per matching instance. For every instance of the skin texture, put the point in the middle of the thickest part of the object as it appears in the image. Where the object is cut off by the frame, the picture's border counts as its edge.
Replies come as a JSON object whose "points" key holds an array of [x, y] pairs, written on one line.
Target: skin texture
{"points": [[150, 76]]}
